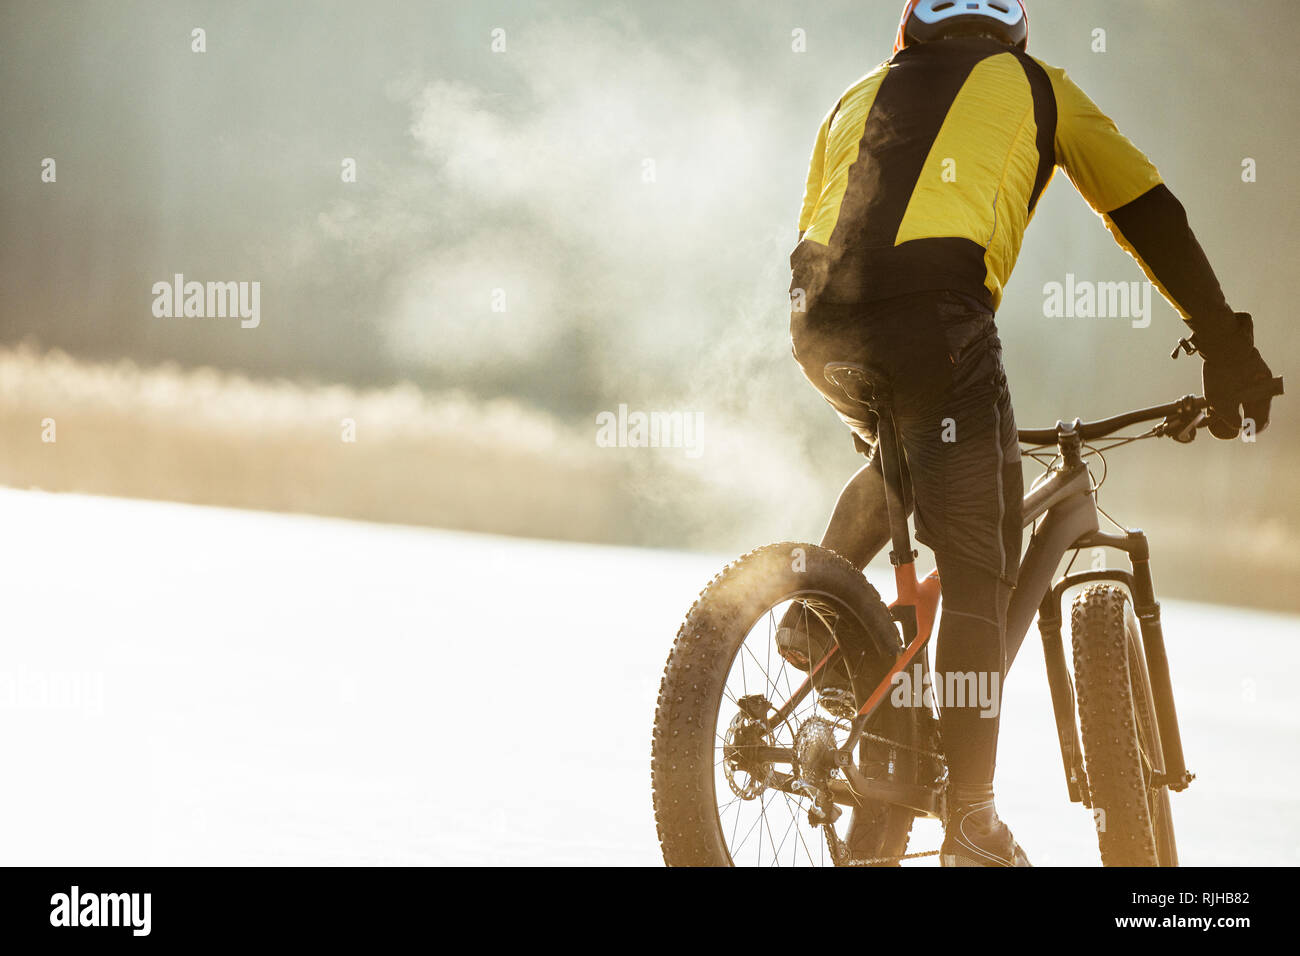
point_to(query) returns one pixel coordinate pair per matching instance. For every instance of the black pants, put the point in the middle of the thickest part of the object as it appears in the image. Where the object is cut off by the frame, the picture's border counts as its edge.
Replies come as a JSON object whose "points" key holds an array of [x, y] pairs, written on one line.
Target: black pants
{"points": [[953, 413]]}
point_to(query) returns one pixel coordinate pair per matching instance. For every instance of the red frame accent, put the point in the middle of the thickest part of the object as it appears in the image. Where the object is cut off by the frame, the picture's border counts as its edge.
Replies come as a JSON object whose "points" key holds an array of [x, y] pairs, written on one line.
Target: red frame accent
{"points": [[924, 596]]}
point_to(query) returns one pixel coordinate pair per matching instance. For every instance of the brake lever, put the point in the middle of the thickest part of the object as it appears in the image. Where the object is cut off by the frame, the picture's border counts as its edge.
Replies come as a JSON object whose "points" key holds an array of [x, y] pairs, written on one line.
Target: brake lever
{"points": [[1188, 434], [1181, 428]]}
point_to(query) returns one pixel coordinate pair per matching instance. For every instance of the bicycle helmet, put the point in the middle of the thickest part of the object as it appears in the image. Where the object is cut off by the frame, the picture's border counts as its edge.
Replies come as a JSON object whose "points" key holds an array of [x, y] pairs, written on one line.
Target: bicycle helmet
{"points": [[927, 20]]}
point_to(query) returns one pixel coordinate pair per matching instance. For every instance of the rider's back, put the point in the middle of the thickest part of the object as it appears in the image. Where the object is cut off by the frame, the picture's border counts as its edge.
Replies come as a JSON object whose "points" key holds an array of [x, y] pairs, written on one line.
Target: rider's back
{"points": [[927, 172]]}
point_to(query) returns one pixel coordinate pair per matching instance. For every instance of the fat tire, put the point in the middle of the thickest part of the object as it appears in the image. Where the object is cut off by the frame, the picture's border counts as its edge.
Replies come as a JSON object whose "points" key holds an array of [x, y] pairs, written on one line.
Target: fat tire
{"points": [[1118, 723], [690, 694]]}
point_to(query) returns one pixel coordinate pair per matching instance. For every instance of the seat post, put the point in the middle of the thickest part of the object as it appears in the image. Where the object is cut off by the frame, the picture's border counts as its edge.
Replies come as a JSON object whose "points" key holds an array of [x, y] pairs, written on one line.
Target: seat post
{"points": [[891, 465], [870, 390], [902, 556]]}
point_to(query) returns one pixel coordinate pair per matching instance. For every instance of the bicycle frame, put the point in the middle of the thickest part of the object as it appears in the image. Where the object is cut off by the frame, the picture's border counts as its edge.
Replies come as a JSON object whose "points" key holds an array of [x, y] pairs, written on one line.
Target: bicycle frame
{"points": [[1062, 510]]}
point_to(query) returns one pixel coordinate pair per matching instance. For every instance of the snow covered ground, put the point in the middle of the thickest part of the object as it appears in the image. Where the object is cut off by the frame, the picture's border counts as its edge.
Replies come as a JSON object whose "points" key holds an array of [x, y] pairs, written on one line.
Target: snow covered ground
{"points": [[184, 685]]}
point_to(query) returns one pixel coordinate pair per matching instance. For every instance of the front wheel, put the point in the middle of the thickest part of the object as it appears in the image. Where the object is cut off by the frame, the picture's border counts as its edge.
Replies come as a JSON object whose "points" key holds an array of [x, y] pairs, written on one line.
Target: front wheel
{"points": [[1121, 740], [735, 785]]}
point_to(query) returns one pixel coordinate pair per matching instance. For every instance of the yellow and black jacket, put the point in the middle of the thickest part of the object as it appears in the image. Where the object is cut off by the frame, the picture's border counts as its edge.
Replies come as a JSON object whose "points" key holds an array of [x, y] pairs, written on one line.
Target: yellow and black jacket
{"points": [[927, 171]]}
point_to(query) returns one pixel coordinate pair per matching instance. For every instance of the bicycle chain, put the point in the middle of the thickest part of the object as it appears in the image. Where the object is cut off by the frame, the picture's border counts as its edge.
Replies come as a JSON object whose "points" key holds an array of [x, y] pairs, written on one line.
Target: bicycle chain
{"points": [[890, 859], [894, 743], [839, 851]]}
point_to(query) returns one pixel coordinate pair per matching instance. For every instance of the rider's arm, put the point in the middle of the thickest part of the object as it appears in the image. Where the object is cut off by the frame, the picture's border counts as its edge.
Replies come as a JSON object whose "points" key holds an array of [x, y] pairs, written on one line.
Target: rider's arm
{"points": [[813, 190], [1146, 219]]}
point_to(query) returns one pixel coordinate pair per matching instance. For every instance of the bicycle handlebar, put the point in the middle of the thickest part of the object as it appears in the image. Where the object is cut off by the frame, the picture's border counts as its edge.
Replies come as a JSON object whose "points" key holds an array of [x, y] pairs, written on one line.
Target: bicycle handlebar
{"points": [[1091, 431]]}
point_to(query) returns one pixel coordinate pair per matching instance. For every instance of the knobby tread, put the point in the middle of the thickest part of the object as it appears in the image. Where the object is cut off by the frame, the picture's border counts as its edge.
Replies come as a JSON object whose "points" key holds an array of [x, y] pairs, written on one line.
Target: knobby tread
{"points": [[1112, 687], [682, 751]]}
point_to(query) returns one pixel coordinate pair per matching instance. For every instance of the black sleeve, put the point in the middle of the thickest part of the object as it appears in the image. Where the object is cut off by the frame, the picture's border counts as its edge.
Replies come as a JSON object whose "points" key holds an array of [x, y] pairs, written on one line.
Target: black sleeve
{"points": [[1155, 231]]}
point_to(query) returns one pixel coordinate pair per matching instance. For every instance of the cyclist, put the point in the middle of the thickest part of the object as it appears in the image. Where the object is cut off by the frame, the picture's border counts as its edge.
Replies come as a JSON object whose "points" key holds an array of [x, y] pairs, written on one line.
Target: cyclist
{"points": [[923, 179]]}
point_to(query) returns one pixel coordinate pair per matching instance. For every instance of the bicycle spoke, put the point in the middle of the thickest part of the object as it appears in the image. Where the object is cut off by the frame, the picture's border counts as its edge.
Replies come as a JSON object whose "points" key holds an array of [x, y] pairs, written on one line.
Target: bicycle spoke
{"points": [[771, 839], [745, 839], [746, 812], [794, 815], [768, 668], [733, 802], [786, 835], [735, 826]]}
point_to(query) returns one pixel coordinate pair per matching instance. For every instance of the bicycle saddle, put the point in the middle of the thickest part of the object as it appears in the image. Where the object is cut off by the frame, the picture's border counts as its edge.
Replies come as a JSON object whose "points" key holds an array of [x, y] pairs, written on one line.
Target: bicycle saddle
{"points": [[864, 384]]}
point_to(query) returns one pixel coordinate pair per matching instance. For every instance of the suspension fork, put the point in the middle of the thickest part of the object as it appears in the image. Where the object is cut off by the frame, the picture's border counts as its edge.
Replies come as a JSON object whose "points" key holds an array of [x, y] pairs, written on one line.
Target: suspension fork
{"points": [[1062, 691], [1134, 543], [1147, 608]]}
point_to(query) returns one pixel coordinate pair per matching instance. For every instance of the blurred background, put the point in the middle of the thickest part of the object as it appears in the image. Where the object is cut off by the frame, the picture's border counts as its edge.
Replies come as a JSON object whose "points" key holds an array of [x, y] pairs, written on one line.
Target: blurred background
{"points": [[559, 208], [477, 227]]}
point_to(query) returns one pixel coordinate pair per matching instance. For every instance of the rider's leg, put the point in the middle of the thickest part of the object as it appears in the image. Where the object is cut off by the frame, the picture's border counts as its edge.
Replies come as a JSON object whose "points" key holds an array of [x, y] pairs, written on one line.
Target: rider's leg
{"points": [[958, 432], [965, 461], [858, 530], [970, 663], [859, 526]]}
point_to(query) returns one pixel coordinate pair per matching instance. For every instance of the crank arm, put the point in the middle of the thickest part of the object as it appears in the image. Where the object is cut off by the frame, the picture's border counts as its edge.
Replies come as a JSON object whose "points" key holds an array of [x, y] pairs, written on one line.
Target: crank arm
{"points": [[862, 789]]}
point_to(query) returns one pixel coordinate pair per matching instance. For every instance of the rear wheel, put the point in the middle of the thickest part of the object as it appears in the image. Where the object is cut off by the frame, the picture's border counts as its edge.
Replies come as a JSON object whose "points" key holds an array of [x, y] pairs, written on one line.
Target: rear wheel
{"points": [[731, 785], [1121, 741]]}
